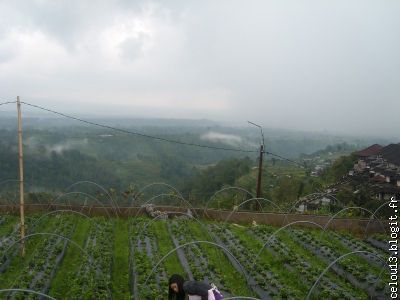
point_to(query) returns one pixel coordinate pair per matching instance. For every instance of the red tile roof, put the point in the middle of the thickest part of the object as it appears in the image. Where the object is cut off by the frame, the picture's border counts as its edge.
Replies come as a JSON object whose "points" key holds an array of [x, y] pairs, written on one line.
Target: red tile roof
{"points": [[371, 150], [379, 178], [391, 153]]}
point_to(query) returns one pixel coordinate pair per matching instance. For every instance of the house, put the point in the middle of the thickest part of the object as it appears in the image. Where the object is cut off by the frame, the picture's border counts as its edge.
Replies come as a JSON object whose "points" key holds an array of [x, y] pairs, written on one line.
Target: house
{"points": [[370, 152], [382, 166], [366, 156], [376, 156], [398, 180], [391, 155]]}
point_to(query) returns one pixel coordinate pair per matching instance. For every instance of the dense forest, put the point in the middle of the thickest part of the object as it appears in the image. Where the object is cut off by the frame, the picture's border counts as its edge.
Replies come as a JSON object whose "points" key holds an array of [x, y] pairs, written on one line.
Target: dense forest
{"points": [[55, 157]]}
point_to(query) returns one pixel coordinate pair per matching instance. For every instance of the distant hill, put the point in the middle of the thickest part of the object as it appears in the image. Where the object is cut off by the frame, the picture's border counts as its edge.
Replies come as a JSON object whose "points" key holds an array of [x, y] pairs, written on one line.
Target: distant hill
{"points": [[56, 156]]}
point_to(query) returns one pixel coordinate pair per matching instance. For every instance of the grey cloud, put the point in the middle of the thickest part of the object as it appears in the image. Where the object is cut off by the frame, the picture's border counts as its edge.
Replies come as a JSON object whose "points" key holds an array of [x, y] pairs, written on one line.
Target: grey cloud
{"points": [[67, 21], [132, 47], [293, 64], [6, 54]]}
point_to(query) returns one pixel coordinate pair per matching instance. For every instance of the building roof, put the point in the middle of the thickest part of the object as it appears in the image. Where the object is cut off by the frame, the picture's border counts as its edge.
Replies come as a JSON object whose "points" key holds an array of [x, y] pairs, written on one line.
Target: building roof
{"points": [[379, 170], [378, 179], [391, 153], [389, 173], [371, 150]]}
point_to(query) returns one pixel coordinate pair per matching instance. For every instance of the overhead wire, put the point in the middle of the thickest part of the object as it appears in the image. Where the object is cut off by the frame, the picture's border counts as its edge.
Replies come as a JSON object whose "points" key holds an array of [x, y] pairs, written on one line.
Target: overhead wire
{"points": [[138, 133], [284, 158], [156, 137], [7, 102]]}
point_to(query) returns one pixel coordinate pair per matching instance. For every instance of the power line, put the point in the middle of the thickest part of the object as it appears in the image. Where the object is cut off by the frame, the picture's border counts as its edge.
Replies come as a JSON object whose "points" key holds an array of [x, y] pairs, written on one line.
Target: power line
{"points": [[156, 137], [137, 133], [8, 102], [284, 158]]}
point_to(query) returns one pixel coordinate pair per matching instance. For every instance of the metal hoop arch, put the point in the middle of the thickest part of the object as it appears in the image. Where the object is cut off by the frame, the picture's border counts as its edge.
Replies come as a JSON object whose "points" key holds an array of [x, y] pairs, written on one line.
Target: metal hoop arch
{"points": [[161, 195], [305, 200], [353, 207], [147, 224], [113, 203], [157, 183], [279, 230], [27, 291], [335, 261], [244, 202], [6, 181], [84, 194], [61, 211], [44, 233], [376, 210], [191, 243], [223, 190]]}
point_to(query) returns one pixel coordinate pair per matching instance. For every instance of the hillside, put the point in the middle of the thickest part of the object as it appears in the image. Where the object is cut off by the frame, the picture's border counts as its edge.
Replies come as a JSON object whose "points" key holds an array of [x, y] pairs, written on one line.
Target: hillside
{"points": [[58, 155]]}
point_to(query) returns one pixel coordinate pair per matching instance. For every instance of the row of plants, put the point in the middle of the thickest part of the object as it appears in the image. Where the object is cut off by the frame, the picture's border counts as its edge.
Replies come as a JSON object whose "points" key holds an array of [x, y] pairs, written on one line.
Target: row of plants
{"points": [[229, 271], [93, 279], [286, 269], [199, 263], [264, 282], [379, 241], [42, 254], [307, 266], [143, 255], [9, 234], [48, 254], [3, 219], [354, 244], [353, 268]]}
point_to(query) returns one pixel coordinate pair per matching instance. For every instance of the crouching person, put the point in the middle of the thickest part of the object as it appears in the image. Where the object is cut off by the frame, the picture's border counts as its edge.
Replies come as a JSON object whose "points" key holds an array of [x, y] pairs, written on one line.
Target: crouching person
{"points": [[196, 290]]}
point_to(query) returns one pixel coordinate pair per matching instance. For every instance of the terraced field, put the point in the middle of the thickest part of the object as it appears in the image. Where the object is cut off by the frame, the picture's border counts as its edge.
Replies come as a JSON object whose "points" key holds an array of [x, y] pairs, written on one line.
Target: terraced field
{"points": [[70, 256]]}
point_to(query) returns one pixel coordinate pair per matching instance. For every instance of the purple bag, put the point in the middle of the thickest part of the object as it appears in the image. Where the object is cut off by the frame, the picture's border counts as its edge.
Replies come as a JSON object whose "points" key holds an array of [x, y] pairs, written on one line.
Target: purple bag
{"points": [[217, 295]]}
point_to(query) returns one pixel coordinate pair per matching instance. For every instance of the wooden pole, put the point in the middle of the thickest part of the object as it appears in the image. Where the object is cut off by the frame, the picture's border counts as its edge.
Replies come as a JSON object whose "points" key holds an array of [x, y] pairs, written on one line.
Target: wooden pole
{"points": [[260, 163], [21, 179]]}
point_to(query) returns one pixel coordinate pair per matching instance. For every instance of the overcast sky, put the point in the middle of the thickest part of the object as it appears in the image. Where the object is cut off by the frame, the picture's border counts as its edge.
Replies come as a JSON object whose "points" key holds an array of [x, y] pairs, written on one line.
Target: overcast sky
{"points": [[310, 65]]}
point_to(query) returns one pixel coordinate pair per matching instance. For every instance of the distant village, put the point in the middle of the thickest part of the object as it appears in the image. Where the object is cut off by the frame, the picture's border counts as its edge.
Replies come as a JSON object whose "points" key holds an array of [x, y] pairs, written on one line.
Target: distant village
{"points": [[381, 167], [377, 166]]}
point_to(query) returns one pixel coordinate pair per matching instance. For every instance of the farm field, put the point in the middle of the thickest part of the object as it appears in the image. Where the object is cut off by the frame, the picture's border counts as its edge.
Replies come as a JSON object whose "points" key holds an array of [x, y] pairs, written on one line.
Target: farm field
{"points": [[71, 256]]}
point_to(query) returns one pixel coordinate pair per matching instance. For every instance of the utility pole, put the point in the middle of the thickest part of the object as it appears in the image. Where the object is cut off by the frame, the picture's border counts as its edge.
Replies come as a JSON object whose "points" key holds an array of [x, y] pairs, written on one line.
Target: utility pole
{"points": [[260, 164], [21, 179]]}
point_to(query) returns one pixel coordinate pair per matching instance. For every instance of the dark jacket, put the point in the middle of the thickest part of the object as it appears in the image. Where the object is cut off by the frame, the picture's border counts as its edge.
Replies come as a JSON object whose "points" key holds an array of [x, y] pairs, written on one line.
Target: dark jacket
{"points": [[198, 288]]}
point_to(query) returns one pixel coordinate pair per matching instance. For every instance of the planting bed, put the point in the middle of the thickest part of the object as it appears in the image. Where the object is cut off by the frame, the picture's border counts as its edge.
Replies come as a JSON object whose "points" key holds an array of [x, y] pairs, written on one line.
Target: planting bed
{"points": [[127, 259]]}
